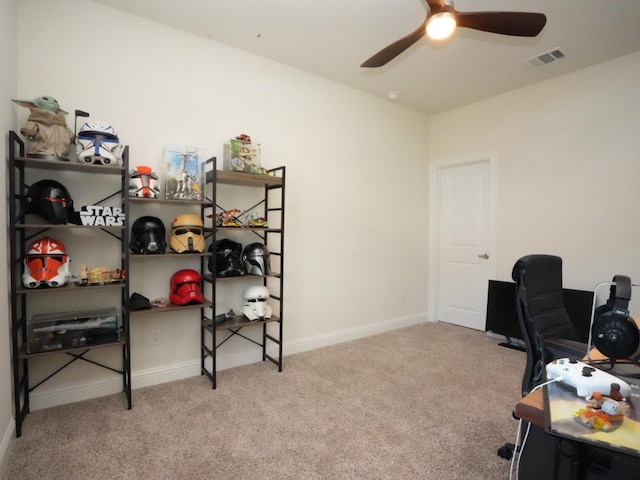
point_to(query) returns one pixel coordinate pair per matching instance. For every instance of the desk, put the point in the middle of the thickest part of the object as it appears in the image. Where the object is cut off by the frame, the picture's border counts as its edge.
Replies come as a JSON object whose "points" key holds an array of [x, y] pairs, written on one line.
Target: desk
{"points": [[546, 457]]}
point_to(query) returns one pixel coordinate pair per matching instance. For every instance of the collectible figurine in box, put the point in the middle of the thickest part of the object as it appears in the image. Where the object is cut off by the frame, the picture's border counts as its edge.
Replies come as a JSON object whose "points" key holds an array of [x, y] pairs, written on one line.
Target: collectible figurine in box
{"points": [[240, 155], [183, 173], [56, 331]]}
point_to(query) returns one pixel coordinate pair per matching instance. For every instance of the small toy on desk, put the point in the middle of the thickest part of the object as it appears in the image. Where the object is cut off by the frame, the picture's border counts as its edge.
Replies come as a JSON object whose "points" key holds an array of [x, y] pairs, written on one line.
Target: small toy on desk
{"points": [[46, 128], [615, 392], [602, 413]]}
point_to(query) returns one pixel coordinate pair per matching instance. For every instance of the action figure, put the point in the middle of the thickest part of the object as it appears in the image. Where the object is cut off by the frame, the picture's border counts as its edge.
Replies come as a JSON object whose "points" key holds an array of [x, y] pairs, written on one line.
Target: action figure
{"points": [[46, 128]]}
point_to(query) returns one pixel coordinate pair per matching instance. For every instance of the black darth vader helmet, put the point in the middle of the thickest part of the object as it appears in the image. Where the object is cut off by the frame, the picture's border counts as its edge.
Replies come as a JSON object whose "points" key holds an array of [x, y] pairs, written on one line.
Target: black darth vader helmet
{"points": [[148, 236], [52, 201]]}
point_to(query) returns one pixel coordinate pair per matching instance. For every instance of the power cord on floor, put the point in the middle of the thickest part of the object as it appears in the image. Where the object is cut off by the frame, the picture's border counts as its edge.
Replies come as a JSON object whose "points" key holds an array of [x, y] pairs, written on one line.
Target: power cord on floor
{"points": [[517, 451]]}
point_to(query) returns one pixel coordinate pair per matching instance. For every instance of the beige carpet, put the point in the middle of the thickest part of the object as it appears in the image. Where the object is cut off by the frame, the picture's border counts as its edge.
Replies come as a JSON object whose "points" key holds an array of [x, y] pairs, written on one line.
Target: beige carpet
{"points": [[432, 401]]}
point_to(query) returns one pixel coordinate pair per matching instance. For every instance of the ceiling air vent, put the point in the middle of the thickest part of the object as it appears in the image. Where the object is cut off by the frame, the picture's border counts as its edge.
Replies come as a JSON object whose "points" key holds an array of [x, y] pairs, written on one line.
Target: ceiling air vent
{"points": [[546, 58]]}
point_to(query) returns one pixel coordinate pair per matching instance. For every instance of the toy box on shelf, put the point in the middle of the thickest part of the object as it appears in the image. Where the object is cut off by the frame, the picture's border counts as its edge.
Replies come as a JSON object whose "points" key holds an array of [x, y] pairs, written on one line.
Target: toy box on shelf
{"points": [[240, 155], [56, 331], [184, 174]]}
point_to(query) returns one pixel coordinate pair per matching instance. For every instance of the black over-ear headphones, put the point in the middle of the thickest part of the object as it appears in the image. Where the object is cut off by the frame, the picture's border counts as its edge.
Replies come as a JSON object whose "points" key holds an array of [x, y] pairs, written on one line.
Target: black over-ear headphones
{"points": [[615, 333]]}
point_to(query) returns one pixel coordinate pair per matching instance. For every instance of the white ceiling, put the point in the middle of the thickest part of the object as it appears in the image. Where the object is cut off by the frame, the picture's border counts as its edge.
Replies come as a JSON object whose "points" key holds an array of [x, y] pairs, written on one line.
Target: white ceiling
{"points": [[331, 38]]}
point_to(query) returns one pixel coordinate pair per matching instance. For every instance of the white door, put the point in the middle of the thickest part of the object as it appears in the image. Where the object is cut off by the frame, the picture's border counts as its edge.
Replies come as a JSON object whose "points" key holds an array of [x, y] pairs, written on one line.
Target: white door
{"points": [[464, 256]]}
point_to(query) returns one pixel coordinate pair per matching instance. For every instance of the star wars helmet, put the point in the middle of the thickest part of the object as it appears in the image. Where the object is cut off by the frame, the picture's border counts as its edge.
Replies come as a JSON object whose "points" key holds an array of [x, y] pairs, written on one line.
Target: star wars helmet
{"points": [[98, 144], [187, 234], [255, 303], [46, 264], [227, 257], [52, 201], [143, 183], [185, 288], [148, 236], [256, 259]]}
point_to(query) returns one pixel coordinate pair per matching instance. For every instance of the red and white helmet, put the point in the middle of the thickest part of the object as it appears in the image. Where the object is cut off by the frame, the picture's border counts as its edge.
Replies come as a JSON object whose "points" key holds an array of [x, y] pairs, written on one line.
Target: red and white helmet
{"points": [[46, 263], [143, 183], [185, 288]]}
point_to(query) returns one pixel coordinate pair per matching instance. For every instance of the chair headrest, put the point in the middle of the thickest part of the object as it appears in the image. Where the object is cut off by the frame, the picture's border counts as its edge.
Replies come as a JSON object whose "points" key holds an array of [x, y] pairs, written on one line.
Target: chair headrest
{"points": [[537, 265]]}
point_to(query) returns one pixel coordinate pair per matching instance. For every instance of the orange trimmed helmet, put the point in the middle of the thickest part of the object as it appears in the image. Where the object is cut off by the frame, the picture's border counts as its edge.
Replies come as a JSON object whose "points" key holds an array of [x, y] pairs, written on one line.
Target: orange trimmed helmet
{"points": [[46, 264], [143, 183], [185, 288]]}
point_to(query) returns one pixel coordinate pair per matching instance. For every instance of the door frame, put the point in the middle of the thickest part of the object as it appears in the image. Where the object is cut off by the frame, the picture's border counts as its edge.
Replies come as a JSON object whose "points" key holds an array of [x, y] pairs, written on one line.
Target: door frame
{"points": [[435, 167]]}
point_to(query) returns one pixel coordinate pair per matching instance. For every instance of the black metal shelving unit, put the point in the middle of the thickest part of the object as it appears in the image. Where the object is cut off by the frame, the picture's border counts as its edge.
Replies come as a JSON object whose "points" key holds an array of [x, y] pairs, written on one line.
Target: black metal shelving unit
{"points": [[215, 335], [21, 232]]}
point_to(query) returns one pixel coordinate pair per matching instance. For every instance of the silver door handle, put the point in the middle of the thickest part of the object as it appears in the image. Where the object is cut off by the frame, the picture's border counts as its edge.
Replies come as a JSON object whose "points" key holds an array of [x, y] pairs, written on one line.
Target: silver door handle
{"points": [[484, 255]]}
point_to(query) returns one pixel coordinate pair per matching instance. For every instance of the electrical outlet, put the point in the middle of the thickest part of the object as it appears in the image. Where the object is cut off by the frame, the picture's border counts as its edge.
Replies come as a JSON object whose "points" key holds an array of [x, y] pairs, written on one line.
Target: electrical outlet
{"points": [[402, 298], [155, 336]]}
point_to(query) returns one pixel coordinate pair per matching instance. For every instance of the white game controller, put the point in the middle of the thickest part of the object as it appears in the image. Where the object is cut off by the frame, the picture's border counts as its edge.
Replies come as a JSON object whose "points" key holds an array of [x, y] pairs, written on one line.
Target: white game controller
{"points": [[584, 378]]}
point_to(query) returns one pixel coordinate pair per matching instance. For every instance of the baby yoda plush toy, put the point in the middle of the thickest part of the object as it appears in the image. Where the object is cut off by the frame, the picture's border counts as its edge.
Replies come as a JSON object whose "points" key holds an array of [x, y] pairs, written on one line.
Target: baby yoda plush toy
{"points": [[46, 129]]}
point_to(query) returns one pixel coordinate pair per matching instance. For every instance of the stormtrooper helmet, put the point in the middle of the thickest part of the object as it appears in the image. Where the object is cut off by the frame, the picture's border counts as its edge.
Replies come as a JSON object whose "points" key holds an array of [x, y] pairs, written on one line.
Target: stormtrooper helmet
{"points": [[187, 234], [98, 144], [185, 288], [255, 303], [148, 235], [143, 183], [46, 264]]}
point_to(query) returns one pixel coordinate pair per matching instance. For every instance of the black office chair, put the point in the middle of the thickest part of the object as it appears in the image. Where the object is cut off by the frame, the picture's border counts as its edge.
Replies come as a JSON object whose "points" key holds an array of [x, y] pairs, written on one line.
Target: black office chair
{"points": [[546, 326]]}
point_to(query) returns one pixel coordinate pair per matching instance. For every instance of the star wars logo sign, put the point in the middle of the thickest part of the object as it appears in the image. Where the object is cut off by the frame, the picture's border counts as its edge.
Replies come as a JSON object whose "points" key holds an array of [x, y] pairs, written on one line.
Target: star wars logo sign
{"points": [[98, 216]]}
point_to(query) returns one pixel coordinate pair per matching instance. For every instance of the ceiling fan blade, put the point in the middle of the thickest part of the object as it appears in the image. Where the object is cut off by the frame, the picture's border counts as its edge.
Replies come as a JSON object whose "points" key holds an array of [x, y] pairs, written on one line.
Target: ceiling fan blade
{"points": [[519, 24], [396, 48], [435, 5]]}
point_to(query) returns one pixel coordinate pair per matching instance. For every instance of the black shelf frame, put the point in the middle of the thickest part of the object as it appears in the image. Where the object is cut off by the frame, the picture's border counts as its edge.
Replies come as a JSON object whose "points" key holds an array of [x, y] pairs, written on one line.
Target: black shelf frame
{"points": [[20, 233], [214, 335]]}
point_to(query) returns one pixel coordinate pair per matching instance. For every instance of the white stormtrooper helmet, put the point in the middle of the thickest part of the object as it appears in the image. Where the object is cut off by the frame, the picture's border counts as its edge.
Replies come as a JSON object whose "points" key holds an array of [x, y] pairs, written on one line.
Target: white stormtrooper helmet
{"points": [[256, 306], [98, 144]]}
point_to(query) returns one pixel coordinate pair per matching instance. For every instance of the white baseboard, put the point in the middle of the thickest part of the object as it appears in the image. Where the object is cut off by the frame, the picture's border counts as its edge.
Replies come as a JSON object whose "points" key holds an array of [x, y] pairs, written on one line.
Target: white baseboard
{"points": [[340, 336], [146, 378], [5, 446]]}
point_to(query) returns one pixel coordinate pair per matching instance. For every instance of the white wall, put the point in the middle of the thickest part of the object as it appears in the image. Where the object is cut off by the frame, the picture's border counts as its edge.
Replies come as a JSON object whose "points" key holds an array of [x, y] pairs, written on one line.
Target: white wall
{"points": [[356, 174], [568, 169], [8, 82]]}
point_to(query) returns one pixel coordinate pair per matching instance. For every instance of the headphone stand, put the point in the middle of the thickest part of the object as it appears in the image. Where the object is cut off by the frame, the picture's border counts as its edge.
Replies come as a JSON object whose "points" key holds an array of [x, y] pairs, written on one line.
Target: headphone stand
{"points": [[590, 343]]}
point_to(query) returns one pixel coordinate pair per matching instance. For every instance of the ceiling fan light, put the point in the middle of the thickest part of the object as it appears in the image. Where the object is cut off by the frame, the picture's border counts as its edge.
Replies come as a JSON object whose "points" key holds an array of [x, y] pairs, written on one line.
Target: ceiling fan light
{"points": [[441, 25]]}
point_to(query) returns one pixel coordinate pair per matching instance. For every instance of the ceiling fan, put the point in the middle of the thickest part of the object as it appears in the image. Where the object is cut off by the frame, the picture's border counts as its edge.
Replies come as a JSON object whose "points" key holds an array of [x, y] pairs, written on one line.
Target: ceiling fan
{"points": [[442, 19]]}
